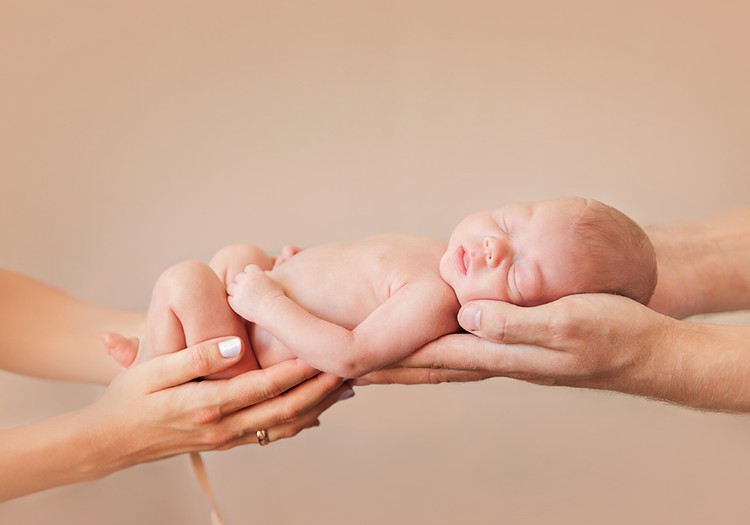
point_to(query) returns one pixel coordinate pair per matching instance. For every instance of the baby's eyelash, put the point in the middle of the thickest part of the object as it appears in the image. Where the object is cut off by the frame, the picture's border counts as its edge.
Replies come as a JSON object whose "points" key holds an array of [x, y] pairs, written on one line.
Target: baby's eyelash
{"points": [[503, 226], [513, 277]]}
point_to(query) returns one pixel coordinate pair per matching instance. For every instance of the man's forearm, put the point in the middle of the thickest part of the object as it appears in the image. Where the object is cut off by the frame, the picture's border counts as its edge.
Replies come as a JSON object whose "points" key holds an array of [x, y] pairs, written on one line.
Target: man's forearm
{"points": [[704, 267], [704, 366]]}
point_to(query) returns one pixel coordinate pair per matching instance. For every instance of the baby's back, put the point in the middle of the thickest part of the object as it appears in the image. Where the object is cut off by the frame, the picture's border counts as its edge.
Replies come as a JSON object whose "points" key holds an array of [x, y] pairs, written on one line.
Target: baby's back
{"points": [[344, 282]]}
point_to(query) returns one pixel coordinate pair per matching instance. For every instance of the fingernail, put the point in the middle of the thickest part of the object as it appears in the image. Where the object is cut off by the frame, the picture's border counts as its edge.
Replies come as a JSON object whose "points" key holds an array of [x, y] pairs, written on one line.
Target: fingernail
{"points": [[231, 347], [346, 394], [470, 317]]}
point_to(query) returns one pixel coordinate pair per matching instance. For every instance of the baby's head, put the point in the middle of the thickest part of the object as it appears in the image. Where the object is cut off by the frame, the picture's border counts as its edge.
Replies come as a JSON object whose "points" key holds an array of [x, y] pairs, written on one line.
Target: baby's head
{"points": [[534, 253]]}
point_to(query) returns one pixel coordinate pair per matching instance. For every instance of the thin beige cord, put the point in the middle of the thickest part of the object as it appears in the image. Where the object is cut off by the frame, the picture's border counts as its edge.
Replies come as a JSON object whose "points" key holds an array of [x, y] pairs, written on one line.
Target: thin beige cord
{"points": [[200, 473]]}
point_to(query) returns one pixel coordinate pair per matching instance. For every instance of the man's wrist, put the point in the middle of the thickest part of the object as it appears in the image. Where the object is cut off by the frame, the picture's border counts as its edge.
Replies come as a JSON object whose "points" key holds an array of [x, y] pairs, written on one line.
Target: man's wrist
{"points": [[675, 293]]}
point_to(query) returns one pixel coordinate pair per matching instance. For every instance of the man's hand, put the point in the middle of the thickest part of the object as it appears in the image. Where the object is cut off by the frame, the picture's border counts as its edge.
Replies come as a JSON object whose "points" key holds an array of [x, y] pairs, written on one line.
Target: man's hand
{"points": [[590, 340]]}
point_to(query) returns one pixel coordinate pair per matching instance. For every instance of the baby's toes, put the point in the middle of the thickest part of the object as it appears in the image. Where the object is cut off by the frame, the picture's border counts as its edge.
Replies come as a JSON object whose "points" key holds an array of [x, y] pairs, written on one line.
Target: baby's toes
{"points": [[123, 349]]}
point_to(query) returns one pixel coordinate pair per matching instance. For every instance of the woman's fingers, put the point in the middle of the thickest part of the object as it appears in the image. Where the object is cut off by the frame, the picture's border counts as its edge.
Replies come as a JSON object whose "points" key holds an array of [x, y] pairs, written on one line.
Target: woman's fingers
{"points": [[289, 429], [313, 395], [255, 386], [200, 360], [310, 418]]}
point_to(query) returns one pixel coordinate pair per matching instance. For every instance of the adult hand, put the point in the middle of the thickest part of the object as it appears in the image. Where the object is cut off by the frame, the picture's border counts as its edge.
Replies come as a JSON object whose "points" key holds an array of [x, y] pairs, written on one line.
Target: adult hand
{"points": [[590, 340], [155, 409]]}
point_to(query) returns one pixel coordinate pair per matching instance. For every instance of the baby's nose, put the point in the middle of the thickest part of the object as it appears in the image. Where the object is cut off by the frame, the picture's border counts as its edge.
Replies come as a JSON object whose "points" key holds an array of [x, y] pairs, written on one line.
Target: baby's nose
{"points": [[495, 250]]}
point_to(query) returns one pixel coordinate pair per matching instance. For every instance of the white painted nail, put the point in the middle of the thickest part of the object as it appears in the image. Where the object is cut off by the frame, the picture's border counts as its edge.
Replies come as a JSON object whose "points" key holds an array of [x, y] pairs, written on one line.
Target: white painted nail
{"points": [[230, 347]]}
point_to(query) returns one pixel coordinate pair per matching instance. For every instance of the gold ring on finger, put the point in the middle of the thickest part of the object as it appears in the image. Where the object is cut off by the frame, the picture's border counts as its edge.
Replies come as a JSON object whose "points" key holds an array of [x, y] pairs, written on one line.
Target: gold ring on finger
{"points": [[263, 439]]}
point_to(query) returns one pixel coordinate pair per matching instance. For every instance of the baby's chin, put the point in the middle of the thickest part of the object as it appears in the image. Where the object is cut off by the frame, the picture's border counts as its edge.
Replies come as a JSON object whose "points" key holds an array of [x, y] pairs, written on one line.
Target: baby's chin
{"points": [[468, 298]]}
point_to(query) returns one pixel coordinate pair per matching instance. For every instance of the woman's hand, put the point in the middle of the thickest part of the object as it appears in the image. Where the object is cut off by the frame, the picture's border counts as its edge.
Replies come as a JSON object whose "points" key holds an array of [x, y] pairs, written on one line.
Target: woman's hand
{"points": [[156, 409]]}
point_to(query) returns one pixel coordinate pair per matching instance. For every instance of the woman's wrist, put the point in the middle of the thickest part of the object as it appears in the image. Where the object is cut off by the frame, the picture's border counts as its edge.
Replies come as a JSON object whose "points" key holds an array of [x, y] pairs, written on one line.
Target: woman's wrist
{"points": [[58, 451], [104, 448]]}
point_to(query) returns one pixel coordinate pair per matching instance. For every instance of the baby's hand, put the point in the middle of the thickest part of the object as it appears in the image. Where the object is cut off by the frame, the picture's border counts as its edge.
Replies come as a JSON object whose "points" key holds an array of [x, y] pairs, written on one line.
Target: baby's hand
{"points": [[251, 291], [287, 252]]}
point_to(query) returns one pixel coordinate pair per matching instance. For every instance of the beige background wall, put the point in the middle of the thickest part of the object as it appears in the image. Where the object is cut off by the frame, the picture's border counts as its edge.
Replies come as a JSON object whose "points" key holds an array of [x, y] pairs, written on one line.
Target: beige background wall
{"points": [[137, 134]]}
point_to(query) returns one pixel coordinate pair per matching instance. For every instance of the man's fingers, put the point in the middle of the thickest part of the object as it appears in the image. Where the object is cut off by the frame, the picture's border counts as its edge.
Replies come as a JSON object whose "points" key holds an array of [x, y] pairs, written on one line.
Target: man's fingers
{"points": [[473, 354], [200, 360], [506, 323], [420, 376]]}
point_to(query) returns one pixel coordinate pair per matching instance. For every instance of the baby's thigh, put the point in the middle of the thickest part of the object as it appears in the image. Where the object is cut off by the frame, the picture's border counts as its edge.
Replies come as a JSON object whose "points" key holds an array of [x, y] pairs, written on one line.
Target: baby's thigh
{"points": [[189, 305], [231, 260]]}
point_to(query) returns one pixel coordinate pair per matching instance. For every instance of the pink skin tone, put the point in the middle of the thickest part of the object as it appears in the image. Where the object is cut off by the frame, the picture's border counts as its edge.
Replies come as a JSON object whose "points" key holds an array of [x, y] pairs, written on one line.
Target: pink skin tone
{"points": [[381, 312], [523, 254]]}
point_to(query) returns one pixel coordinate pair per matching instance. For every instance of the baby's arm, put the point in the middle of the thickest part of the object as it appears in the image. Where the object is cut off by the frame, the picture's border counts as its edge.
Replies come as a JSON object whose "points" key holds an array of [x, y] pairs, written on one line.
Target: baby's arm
{"points": [[413, 316]]}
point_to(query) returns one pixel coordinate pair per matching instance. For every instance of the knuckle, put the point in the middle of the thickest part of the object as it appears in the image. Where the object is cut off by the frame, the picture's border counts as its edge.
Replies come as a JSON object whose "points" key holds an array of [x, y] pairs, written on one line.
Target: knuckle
{"points": [[271, 388], [200, 363], [561, 327], [299, 426], [496, 325], [207, 416], [435, 377], [216, 438], [290, 412]]}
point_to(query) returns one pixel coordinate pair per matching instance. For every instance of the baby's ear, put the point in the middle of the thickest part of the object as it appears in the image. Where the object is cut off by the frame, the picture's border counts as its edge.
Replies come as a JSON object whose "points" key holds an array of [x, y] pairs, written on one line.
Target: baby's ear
{"points": [[122, 349]]}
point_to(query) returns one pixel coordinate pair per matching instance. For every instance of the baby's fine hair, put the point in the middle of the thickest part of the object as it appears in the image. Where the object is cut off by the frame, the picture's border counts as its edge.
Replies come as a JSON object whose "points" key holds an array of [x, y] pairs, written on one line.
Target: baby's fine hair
{"points": [[621, 251]]}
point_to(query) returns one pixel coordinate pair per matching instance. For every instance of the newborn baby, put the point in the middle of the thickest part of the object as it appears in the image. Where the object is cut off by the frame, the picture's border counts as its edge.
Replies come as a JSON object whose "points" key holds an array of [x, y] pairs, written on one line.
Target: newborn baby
{"points": [[349, 308]]}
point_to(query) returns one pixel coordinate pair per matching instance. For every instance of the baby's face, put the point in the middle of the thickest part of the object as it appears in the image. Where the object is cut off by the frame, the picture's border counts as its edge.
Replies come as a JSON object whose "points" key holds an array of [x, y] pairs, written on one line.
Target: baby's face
{"points": [[524, 254]]}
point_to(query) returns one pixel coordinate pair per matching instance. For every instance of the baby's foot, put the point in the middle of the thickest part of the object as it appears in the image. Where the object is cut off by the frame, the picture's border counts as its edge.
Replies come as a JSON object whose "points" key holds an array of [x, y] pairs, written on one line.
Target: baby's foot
{"points": [[124, 350], [287, 252]]}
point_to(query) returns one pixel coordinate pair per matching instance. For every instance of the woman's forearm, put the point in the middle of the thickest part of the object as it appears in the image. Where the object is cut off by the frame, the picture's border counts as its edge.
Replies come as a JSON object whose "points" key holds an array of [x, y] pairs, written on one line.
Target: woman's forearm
{"points": [[157, 410], [47, 333], [704, 267], [54, 452]]}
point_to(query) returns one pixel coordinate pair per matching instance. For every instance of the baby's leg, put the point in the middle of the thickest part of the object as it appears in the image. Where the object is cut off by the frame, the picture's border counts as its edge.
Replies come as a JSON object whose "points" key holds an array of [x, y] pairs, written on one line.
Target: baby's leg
{"points": [[174, 306], [189, 305], [231, 260]]}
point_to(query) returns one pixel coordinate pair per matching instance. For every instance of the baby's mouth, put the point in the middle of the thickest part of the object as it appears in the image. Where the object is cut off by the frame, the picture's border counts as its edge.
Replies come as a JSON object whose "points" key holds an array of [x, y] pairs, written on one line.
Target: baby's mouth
{"points": [[462, 260]]}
